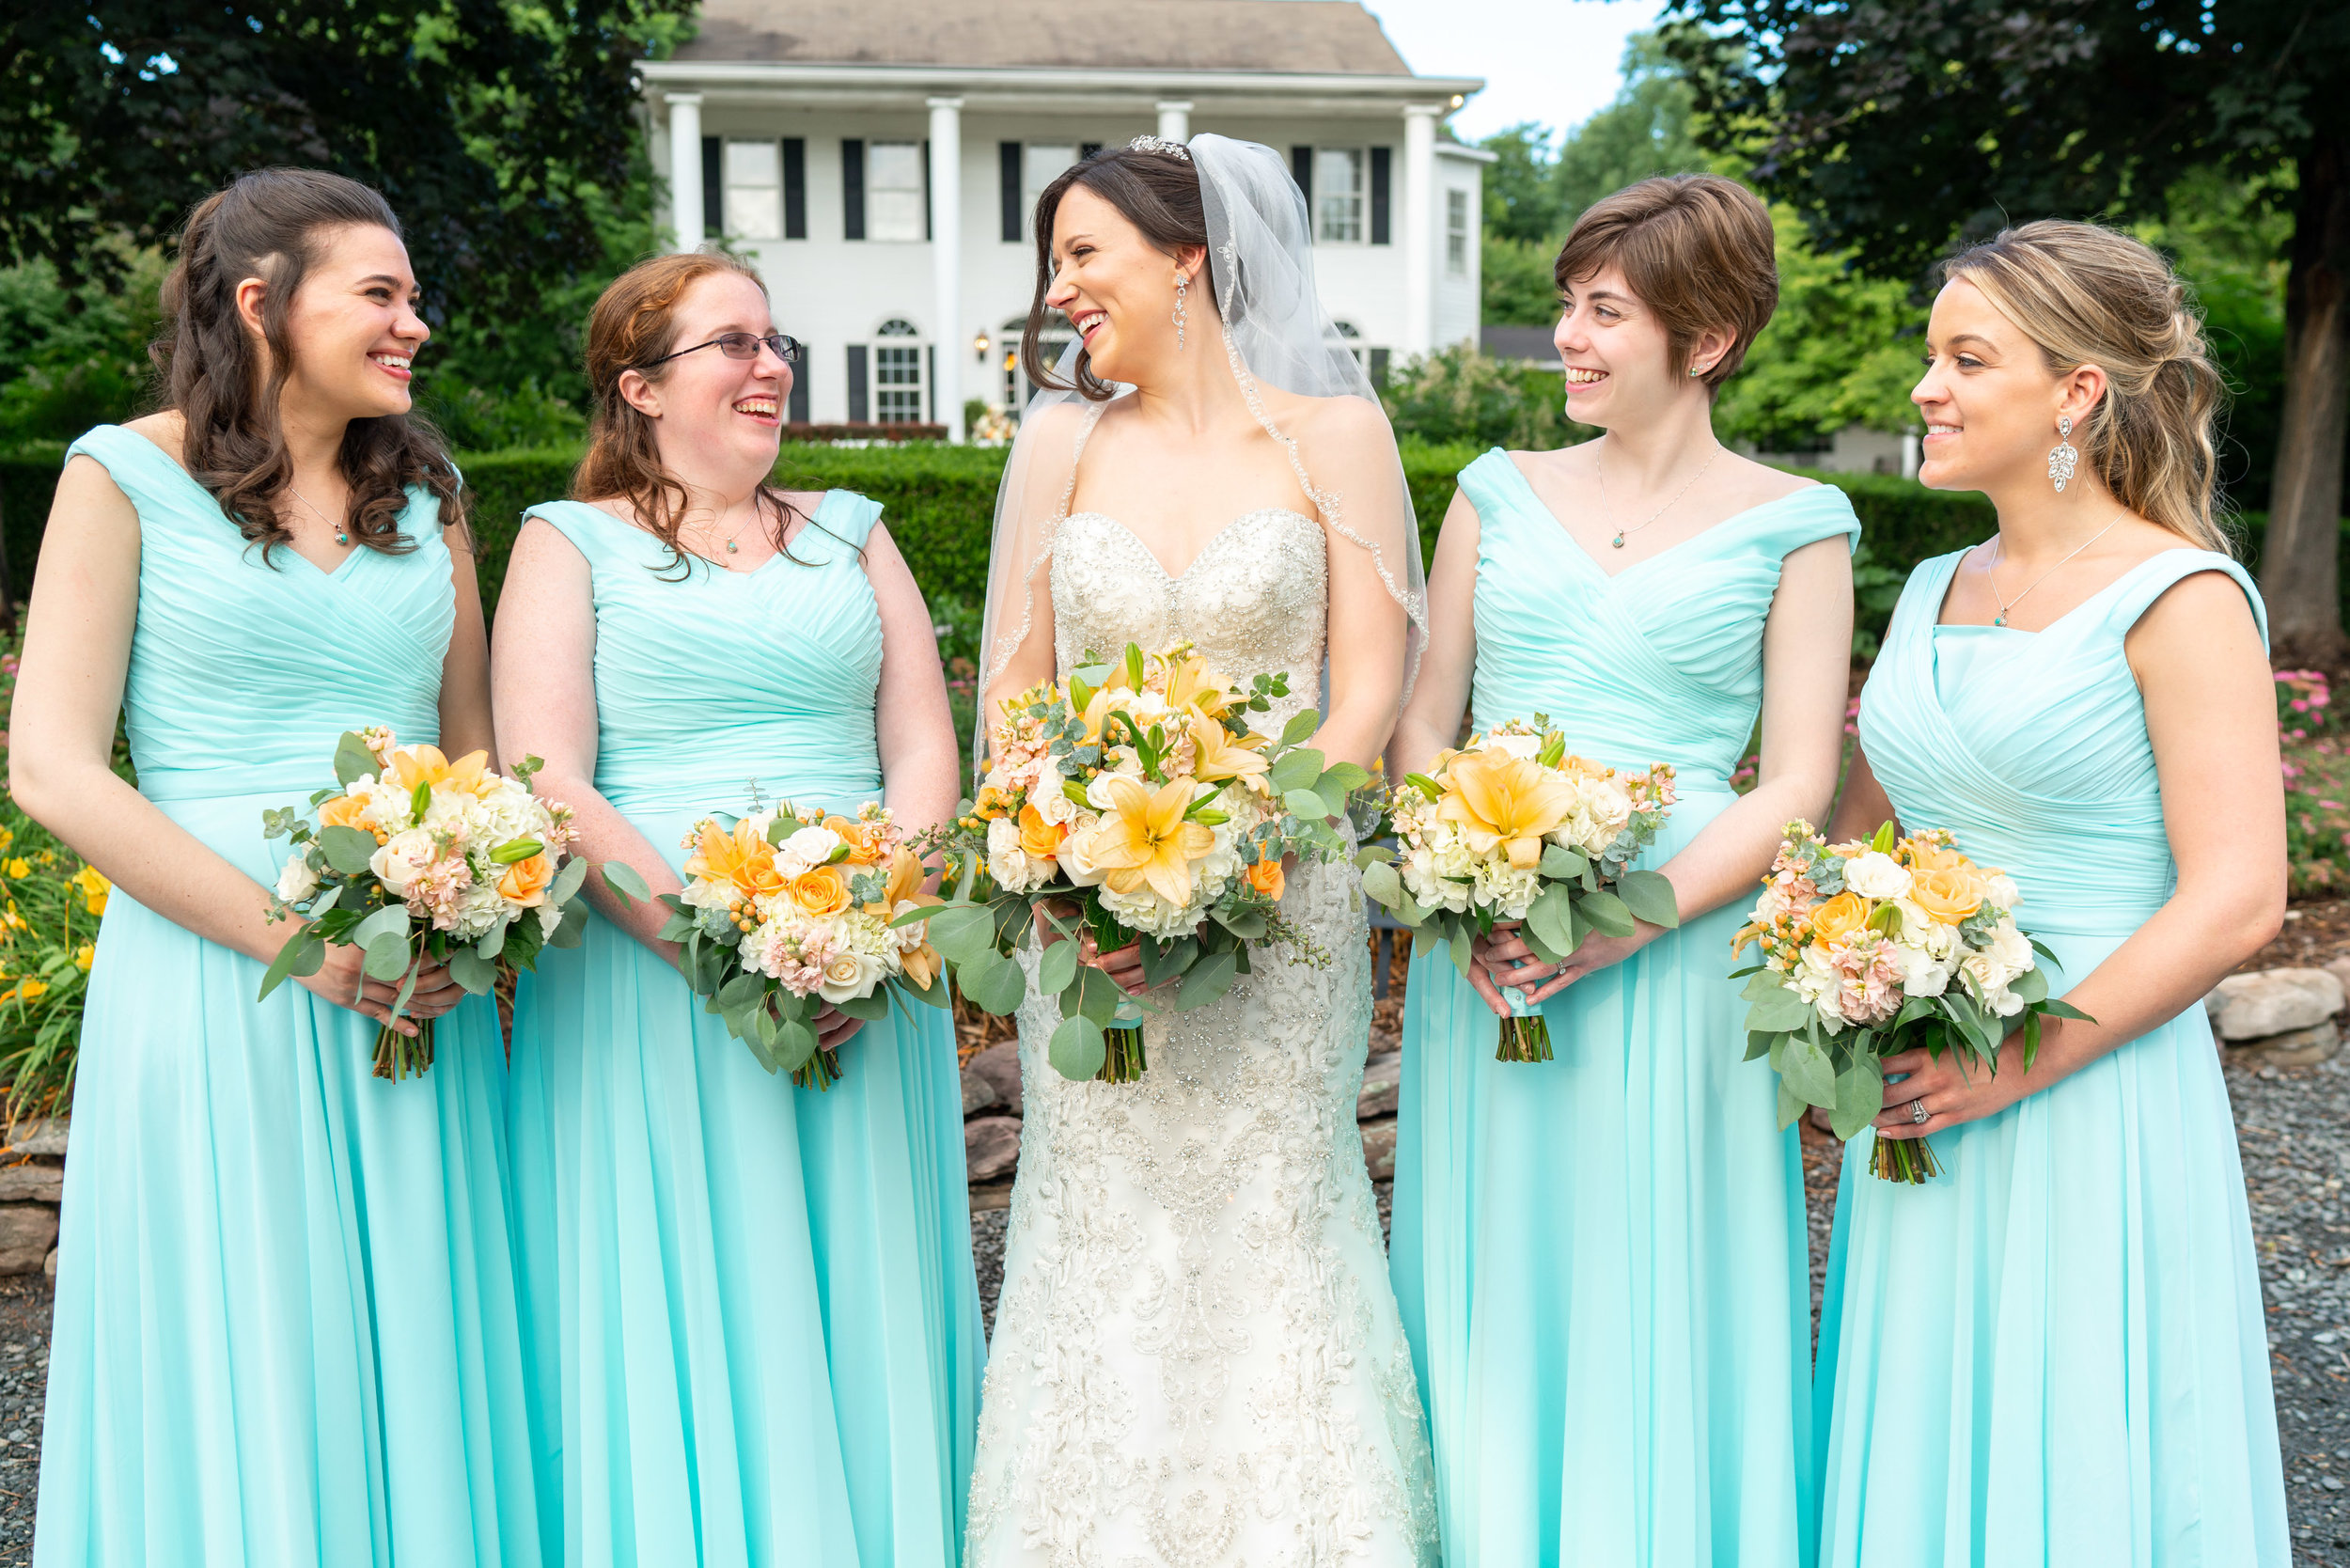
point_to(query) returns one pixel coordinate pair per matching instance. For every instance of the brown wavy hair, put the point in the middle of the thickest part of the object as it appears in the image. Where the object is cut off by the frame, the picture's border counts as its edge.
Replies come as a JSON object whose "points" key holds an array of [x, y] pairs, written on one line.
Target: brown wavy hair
{"points": [[268, 224], [2086, 296], [1156, 192], [634, 323], [1698, 251]]}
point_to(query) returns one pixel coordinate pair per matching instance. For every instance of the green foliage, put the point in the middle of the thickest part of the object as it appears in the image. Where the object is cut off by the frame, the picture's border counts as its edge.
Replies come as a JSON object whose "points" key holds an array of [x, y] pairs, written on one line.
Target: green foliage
{"points": [[73, 357], [1460, 395], [1519, 288]]}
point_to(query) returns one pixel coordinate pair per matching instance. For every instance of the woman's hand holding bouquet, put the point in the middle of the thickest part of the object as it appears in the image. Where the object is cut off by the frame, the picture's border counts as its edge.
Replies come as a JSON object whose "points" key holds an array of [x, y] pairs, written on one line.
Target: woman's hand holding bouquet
{"points": [[1135, 804]]}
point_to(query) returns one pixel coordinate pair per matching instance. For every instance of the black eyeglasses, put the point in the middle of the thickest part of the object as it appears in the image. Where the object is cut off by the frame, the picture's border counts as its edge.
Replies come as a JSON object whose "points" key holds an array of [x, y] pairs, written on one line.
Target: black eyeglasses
{"points": [[740, 345]]}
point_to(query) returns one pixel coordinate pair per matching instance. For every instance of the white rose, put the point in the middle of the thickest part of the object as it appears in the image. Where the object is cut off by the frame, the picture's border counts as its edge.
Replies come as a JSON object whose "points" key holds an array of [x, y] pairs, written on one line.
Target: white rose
{"points": [[2006, 953], [1077, 856], [1874, 874], [1527, 746], [1098, 793], [1051, 801], [1610, 804], [396, 861], [2001, 890], [850, 975], [806, 849], [298, 881]]}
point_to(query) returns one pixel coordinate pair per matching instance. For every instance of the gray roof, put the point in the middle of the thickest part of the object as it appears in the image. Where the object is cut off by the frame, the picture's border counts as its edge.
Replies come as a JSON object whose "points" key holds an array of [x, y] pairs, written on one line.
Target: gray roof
{"points": [[1335, 37], [1527, 344]]}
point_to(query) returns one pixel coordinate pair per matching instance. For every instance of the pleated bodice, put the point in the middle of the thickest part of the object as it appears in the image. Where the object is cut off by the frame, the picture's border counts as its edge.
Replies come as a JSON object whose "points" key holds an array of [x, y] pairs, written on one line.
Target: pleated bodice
{"points": [[2032, 746], [1661, 662], [723, 683]]}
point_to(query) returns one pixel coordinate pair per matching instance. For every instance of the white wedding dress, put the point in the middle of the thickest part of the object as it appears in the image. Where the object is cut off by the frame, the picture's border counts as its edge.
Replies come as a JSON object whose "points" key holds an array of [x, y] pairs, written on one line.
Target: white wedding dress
{"points": [[1197, 1361]]}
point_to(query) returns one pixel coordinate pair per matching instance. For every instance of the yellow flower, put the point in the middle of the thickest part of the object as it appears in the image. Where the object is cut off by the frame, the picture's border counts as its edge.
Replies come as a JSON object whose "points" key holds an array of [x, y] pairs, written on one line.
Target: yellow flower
{"points": [[1217, 757], [1143, 837], [1948, 893], [425, 765], [1190, 683], [863, 839], [94, 887], [7, 837], [84, 955], [346, 810], [20, 867], [1839, 917], [1267, 878], [31, 991], [821, 892], [905, 892], [1505, 800], [742, 857]]}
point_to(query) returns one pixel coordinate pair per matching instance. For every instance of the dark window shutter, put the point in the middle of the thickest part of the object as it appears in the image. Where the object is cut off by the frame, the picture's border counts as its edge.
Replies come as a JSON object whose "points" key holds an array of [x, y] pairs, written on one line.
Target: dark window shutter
{"points": [[1301, 170], [797, 409], [926, 188], [1007, 161], [858, 411], [929, 379], [1379, 196], [713, 192], [1087, 150], [1378, 369], [794, 188], [852, 199]]}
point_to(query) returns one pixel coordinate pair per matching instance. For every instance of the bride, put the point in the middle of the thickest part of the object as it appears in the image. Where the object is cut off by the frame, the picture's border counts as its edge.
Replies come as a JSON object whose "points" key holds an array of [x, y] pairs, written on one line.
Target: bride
{"points": [[1198, 1360]]}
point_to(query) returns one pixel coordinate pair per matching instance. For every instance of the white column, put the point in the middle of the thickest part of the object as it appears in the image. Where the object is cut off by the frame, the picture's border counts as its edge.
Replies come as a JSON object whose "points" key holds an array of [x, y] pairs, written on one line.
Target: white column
{"points": [[685, 168], [1175, 120], [946, 259], [1419, 239]]}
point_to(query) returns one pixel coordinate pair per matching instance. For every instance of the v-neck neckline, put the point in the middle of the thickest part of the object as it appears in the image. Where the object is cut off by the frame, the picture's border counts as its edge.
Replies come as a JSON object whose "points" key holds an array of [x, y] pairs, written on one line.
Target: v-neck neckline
{"points": [[325, 575], [1942, 600], [1584, 554]]}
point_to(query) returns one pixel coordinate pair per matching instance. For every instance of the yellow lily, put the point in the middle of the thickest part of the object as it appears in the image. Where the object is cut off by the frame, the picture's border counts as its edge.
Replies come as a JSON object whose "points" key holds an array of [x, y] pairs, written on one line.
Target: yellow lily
{"points": [[1143, 837], [1217, 757], [1506, 800], [905, 892], [1190, 683], [426, 764], [742, 857]]}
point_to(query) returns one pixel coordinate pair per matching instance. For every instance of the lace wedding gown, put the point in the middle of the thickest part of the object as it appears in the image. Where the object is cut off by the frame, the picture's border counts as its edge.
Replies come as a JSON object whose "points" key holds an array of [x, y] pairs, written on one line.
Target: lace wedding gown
{"points": [[1197, 1361]]}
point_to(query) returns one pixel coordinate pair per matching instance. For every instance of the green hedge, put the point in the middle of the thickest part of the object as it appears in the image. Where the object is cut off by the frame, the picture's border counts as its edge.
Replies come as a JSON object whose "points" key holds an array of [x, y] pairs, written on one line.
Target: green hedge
{"points": [[939, 502]]}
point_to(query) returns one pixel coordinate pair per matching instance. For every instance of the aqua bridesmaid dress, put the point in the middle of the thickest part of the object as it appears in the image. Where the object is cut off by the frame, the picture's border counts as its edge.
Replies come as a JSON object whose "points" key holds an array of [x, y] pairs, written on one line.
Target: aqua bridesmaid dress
{"points": [[755, 1324], [2054, 1354], [285, 1329], [1601, 1258]]}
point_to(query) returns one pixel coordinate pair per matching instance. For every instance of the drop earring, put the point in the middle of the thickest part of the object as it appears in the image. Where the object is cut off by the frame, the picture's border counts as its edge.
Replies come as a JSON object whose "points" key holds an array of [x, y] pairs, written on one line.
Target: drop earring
{"points": [[1180, 283], [2064, 457]]}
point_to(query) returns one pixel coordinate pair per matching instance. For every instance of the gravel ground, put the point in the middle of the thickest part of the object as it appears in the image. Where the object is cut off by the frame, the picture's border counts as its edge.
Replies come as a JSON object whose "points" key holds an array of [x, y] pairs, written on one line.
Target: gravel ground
{"points": [[23, 1366]]}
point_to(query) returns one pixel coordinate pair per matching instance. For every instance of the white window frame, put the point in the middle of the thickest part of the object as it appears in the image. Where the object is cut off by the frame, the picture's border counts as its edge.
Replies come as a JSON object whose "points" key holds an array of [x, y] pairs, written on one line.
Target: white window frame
{"points": [[1346, 336], [900, 373], [896, 201], [1341, 205], [753, 175], [1456, 230]]}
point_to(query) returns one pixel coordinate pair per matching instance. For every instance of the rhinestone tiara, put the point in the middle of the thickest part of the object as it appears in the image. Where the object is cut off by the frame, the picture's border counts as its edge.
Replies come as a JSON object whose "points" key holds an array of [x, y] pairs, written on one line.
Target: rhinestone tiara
{"points": [[1160, 144]]}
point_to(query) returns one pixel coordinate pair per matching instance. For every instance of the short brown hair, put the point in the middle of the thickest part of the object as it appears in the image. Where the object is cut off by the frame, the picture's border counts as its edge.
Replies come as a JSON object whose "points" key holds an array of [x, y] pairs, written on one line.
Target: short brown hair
{"points": [[1698, 251]]}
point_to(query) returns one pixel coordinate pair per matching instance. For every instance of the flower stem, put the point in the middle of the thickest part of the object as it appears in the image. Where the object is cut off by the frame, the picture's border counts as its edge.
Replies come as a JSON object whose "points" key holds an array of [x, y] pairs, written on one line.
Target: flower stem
{"points": [[1123, 1061], [398, 1056], [1525, 1040], [1904, 1159], [820, 1072]]}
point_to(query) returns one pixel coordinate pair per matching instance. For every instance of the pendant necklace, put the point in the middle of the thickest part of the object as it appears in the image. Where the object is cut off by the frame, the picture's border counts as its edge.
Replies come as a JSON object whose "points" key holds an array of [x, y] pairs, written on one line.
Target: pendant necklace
{"points": [[1601, 469], [1999, 545], [341, 535]]}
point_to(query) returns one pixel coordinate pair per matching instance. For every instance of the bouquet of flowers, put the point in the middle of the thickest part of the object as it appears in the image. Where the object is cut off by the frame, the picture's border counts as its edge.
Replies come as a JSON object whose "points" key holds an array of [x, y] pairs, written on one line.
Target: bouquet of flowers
{"points": [[1872, 948], [418, 860], [786, 910], [1134, 801], [1511, 827]]}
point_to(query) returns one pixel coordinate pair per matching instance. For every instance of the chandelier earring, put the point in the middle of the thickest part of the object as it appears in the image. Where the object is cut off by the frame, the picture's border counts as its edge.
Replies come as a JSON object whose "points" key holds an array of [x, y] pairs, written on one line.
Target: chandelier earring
{"points": [[2063, 458], [1181, 282]]}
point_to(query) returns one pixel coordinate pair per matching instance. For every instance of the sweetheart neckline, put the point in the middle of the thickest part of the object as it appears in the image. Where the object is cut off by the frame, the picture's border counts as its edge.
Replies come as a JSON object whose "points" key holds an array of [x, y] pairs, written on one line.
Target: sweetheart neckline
{"points": [[1201, 553]]}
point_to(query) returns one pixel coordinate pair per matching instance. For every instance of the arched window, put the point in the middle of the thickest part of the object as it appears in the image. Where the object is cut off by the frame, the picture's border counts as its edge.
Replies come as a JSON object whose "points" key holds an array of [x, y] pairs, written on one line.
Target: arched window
{"points": [[1348, 337], [899, 383]]}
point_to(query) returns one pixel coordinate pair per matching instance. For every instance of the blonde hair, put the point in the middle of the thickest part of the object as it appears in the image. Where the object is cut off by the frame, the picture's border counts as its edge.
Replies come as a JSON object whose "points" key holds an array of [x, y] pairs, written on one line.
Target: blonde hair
{"points": [[1698, 251], [2086, 295]]}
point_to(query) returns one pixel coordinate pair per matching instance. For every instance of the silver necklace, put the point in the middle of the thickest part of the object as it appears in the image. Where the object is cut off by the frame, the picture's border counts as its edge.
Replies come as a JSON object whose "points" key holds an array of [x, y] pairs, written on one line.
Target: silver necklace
{"points": [[341, 535], [1605, 509], [1998, 546]]}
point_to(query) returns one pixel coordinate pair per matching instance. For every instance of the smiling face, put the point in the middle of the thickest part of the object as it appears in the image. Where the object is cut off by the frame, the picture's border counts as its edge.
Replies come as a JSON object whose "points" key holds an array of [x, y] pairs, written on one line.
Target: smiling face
{"points": [[352, 325], [1617, 353], [1118, 288], [1989, 400], [716, 419]]}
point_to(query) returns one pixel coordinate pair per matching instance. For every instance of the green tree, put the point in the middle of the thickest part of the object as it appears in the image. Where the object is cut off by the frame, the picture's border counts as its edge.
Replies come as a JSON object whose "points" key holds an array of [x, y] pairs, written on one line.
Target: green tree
{"points": [[1895, 129], [491, 126]]}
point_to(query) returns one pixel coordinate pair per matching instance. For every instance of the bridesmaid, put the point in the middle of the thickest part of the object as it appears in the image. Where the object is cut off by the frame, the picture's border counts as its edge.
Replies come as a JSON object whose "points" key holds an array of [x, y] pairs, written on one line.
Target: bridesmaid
{"points": [[1601, 1259], [755, 1325], [285, 1323], [2054, 1353]]}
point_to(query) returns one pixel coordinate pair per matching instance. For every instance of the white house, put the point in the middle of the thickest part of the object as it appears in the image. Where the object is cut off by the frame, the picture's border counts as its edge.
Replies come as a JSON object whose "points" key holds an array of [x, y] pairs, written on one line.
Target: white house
{"points": [[880, 159]]}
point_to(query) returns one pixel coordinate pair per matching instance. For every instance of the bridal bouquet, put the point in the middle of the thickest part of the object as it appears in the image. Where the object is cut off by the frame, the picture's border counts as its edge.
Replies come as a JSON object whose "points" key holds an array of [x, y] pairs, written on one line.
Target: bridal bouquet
{"points": [[418, 860], [1511, 827], [1134, 801], [1872, 948], [786, 910]]}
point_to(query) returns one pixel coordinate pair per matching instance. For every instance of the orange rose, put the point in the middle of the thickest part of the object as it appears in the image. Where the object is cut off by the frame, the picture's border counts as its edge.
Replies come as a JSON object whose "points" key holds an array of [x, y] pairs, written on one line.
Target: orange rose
{"points": [[863, 839], [1839, 917], [344, 811], [1038, 838], [821, 891], [1267, 878], [525, 881], [1949, 893]]}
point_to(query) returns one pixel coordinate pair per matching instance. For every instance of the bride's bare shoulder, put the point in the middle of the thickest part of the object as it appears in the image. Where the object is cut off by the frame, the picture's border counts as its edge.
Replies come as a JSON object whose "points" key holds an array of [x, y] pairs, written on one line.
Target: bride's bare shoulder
{"points": [[1347, 423]]}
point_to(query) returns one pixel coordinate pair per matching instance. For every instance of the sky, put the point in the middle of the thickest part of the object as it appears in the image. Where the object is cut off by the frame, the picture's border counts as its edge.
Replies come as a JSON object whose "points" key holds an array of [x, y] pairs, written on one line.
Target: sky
{"points": [[1556, 61]]}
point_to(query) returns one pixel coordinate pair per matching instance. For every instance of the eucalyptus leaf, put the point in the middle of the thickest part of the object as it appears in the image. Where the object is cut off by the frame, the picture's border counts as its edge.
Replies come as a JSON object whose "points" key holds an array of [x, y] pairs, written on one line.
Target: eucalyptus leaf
{"points": [[471, 971], [391, 920], [492, 946], [1776, 1010], [1056, 970], [1381, 884], [568, 880], [793, 1044], [759, 1032], [303, 947], [352, 759], [741, 991], [2032, 985], [1305, 803], [1650, 896], [1607, 914], [1790, 1107], [873, 1008], [1171, 959], [963, 932], [1077, 1050], [348, 850], [1859, 1097], [1294, 770], [1249, 925], [1300, 728], [1209, 980], [626, 883], [934, 995], [573, 929], [1805, 1069], [1341, 780], [992, 983], [1096, 996], [1559, 862], [386, 957]]}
